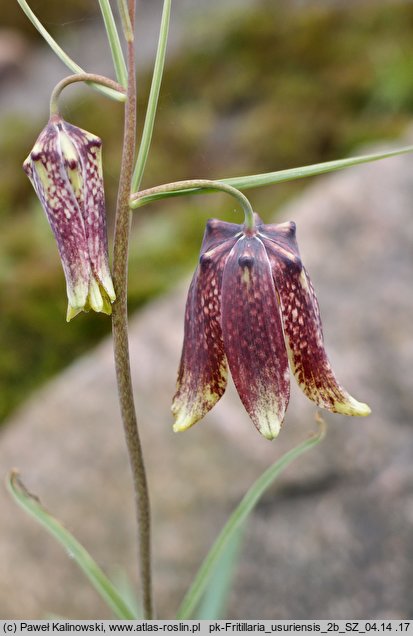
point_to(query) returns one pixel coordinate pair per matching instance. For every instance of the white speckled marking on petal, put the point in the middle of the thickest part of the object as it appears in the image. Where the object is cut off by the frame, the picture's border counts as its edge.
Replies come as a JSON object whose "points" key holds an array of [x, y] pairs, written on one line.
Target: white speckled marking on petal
{"points": [[253, 338]]}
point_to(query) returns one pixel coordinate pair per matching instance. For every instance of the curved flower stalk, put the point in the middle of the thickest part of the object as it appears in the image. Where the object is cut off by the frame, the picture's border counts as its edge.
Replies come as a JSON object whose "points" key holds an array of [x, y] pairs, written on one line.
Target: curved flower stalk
{"points": [[65, 168], [251, 306]]}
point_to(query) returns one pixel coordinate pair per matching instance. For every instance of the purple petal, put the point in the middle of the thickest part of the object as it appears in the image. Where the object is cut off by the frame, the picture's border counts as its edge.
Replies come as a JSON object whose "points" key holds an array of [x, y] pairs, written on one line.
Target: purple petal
{"points": [[202, 375], [253, 337], [217, 232], [92, 201], [302, 325]]}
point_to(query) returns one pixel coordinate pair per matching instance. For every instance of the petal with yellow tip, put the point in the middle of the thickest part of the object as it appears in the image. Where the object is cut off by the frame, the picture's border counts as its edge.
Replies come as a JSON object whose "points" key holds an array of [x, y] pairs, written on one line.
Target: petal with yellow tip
{"points": [[253, 337], [202, 375], [302, 327]]}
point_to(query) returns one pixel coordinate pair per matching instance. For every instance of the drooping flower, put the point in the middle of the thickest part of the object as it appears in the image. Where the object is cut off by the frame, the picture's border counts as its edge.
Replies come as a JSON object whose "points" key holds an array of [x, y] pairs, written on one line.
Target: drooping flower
{"points": [[65, 168], [251, 307]]}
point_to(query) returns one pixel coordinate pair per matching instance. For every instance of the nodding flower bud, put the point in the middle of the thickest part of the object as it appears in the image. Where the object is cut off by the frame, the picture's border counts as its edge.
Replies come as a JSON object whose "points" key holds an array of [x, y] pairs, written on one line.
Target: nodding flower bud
{"points": [[65, 168]]}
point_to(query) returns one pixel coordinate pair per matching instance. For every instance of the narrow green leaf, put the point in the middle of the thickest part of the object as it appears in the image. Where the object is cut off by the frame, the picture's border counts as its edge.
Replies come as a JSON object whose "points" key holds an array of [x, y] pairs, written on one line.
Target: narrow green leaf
{"points": [[75, 550], [124, 585], [63, 55], [271, 178], [235, 521], [114, 43], [153, 98], [214, 601]]}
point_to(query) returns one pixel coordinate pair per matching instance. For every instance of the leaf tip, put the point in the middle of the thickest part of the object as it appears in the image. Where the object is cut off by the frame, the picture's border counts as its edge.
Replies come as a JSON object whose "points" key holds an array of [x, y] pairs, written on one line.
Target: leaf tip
{"points": [[322, 427]]}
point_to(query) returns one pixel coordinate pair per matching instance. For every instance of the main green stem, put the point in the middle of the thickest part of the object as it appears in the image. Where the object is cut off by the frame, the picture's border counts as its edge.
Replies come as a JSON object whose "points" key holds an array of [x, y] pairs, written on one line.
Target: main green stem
{"points": [[120, 332]]}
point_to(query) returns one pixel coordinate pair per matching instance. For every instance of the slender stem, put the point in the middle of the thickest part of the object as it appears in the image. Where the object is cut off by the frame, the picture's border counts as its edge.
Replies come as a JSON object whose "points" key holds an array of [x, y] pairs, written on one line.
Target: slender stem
{"points": [[80, 77], [153, 98], [139, 199], [114, 42], [62, 54], [120, 333]]}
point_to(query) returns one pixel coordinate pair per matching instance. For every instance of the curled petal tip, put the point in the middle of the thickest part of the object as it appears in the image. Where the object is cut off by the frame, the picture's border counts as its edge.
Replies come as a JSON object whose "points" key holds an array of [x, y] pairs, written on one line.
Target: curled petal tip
{"points": [[97, 299], [104, 306], [352, 407], [183, 422], [109, 289], [184, 413], [269, 427], [27, 166], [72, 312]]}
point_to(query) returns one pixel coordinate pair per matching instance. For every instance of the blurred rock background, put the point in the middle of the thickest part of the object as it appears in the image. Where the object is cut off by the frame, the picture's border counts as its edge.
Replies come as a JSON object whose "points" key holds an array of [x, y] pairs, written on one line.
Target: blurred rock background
{"points": [[263, 86]]}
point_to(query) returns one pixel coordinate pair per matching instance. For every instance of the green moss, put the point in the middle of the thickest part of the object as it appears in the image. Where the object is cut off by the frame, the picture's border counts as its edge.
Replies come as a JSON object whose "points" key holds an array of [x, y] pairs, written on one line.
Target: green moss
{"points": [[262, 90]]}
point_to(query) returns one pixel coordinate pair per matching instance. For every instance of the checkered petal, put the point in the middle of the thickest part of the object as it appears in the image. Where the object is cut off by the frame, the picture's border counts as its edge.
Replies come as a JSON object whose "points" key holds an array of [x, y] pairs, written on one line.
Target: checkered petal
{"points": [[302, 324], [202, 375], [253, 337], [91, 198]]}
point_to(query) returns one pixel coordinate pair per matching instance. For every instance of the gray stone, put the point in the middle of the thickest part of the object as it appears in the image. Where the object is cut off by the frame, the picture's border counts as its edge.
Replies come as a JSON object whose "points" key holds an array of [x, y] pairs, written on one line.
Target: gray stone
{"points": [[332, 538]]}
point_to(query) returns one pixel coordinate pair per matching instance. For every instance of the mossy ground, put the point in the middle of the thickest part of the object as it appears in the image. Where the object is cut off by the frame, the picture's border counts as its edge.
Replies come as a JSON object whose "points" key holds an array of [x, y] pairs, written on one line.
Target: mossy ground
{"points": [[263, 90]]}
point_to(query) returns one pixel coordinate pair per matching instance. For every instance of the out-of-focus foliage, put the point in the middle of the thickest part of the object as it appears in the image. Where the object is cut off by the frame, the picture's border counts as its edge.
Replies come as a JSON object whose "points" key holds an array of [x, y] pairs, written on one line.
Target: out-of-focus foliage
{"points": [[54, 15], [264, 90]]}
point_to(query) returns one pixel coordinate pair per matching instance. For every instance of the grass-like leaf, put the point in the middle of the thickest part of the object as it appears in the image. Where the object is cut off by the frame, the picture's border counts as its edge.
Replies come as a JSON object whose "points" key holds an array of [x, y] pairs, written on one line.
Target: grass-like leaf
{"points": [[237, 518], [153, 97], [214, 601], [124, 585], [65, 58], [268, 178], [97, 578], [114, 43]]}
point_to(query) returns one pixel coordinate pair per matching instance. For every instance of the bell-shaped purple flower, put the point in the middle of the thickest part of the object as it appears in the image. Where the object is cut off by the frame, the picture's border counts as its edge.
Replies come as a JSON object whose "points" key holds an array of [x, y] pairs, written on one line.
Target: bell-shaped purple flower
{"points": [[251, 306], [65, 168]]}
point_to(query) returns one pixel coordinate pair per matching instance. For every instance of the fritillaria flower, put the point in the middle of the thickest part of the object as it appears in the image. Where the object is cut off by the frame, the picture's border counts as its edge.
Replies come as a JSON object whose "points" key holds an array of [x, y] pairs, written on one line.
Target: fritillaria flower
{"points": [[65, 168], [251, 307]]}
